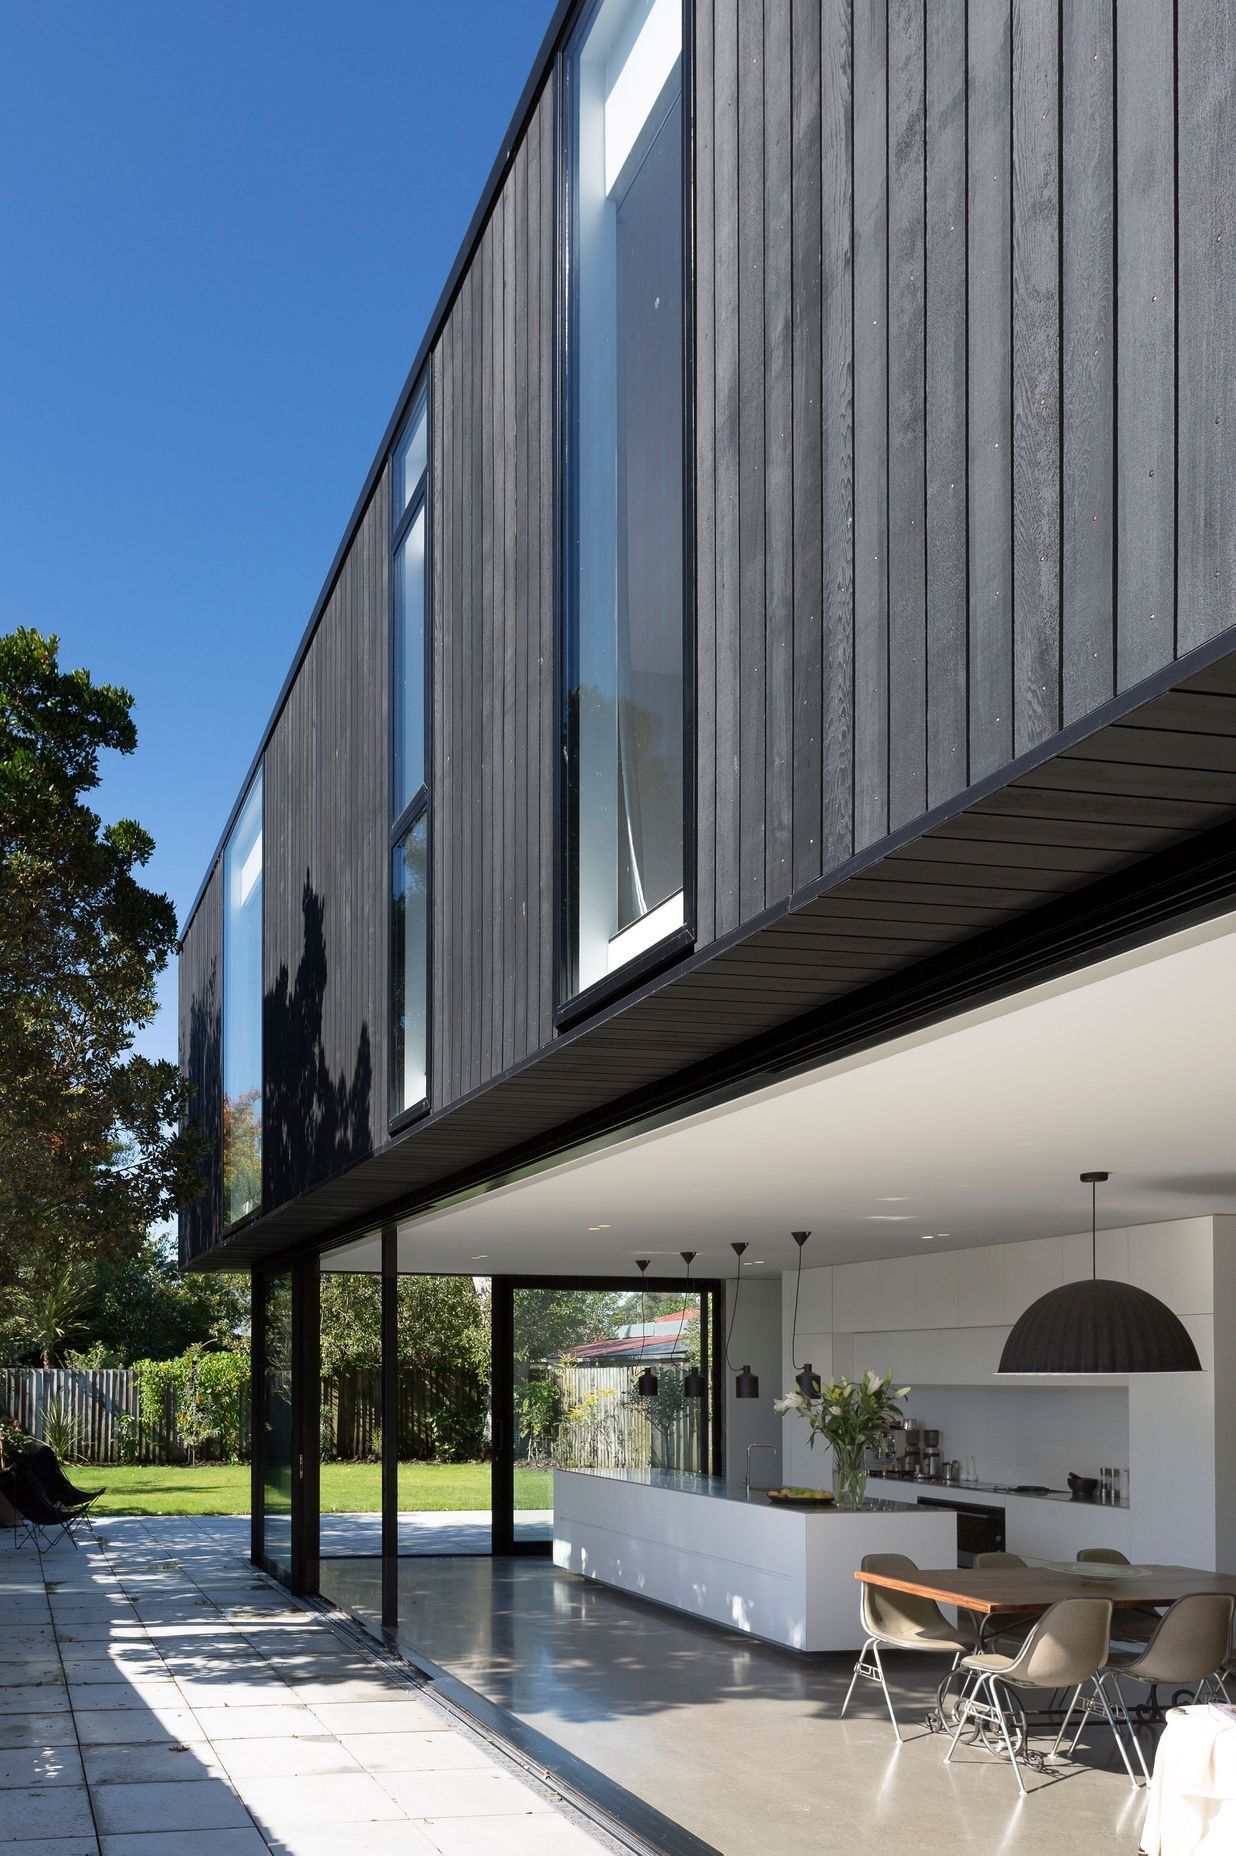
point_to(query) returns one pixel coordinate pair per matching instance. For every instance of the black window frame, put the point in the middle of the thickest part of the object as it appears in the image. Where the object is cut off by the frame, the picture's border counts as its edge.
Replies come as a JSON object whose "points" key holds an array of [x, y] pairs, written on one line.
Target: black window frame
{"points": [[418, 806], [572, 1005]]}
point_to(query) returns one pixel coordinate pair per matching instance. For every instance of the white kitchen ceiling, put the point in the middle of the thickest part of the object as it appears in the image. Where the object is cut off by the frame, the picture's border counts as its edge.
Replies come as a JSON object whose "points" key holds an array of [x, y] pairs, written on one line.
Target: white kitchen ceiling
{"points": [[974, 1132]]}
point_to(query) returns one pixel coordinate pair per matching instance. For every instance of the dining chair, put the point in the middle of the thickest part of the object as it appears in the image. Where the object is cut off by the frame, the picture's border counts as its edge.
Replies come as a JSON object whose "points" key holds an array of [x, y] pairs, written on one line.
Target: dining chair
{"points": [[1067, 1649], [1132, 1623], [1005, 1626], [898, 1621], [1188, 1649]]}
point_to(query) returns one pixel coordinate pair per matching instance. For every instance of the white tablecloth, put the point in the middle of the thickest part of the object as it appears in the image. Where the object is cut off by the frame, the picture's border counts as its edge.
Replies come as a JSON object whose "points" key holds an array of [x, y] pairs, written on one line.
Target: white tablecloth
{"points": [[1192, 1808]]}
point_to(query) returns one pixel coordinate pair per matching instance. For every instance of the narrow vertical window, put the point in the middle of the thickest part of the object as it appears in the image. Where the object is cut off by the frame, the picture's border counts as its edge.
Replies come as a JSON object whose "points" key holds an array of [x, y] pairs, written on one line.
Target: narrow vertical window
{"points": [[409, 780], [624, 553], [242, 1011]]}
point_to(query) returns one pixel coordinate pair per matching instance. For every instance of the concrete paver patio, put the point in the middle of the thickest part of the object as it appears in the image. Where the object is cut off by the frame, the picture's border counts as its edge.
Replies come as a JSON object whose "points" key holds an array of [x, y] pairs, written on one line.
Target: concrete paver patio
{"points": [[160, 1698]]}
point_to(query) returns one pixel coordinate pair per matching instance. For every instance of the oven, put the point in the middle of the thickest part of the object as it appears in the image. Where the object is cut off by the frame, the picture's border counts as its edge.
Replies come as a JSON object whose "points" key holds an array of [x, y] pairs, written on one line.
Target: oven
{"points": [[980, 1529]]}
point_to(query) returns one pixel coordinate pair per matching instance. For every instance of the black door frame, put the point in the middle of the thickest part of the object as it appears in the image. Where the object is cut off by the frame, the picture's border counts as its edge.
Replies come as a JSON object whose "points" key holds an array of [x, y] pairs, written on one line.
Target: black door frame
{"points": [[502, 1383]]}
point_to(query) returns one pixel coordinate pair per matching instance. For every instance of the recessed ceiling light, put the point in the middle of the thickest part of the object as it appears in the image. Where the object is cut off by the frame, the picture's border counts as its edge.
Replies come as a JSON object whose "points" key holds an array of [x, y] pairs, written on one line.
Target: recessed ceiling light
{"points": [[944, 1233], [891, 1198], [888, 1217], [929, 1237], [750, 1262], [483, 1258]]}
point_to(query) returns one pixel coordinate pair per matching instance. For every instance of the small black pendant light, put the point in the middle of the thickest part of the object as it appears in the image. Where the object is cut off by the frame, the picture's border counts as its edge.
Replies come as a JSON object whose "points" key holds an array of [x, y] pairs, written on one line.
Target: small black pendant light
{"points": [[746, 1383], [807, 1381], [1098, 1326], [646, 1384], [694, 1385]]}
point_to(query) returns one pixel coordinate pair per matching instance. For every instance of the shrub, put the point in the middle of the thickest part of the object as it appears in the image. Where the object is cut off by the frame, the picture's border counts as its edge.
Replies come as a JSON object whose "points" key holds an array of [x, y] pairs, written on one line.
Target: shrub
{"points": [[60, 1430]]}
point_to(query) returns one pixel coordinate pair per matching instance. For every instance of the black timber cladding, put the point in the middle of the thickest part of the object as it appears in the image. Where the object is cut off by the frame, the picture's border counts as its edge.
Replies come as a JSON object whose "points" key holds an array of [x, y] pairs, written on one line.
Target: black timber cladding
{"points": [[964, 475], [200, 1011]]}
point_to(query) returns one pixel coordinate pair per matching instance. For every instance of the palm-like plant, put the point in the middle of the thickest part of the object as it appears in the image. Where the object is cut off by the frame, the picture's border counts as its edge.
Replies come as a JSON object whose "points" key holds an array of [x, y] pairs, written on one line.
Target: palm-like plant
{"points": [[50, 1310]]}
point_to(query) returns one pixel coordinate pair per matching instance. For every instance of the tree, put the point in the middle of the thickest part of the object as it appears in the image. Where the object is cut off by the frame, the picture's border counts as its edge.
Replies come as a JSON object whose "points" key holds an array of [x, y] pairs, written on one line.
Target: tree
{"points": [[147, 1308], [443, 1321], [48, 1310], [92, 1150]]}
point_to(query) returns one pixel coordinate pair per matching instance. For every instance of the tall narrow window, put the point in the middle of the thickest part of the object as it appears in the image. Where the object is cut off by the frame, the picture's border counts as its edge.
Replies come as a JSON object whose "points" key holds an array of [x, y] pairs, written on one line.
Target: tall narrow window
{"points": [[624, 507], [409, 782], [242, 1011]]}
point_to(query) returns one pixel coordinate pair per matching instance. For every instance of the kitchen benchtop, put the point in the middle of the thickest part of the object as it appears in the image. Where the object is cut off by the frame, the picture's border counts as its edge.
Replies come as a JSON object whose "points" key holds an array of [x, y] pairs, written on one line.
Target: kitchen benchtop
{"points": [[962, 1489], [717, 1488]]}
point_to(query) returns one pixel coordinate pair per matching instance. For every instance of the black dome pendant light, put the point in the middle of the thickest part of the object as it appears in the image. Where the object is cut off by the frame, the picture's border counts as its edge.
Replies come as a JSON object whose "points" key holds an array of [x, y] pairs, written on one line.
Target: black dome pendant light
{"points": [[1098, 1326], [807, 1381], [694, 1385], [746, 1383], [646, 1384]]}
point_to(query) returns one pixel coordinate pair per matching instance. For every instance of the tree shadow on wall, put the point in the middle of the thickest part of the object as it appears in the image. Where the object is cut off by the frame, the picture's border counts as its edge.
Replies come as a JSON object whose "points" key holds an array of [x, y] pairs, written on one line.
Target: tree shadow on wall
{"points": [[316, 1123], [199, 1220]]}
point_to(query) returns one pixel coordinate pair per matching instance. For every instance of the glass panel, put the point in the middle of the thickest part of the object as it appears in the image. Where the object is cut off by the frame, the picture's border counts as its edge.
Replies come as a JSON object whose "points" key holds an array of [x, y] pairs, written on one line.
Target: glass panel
{"points": [[409, 968], [578, 1356], [410, 665], [411, 457], [350, 1475], [242, 1011], [626, 459], [277, 1420]]}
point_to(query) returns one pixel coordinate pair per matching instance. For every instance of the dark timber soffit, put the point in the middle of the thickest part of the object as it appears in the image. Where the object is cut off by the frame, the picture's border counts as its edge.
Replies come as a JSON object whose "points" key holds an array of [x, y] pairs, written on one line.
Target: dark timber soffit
{"points": [[1126, 835]]}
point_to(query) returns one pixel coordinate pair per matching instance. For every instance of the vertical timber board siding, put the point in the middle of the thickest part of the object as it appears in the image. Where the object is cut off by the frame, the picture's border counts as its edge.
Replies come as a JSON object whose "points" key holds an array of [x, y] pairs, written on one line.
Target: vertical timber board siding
{"points": [[1088, 123], [989, 76], [704, 111], [494, 481], [870, 242], [907, 462], [200, 983], [1206, 309], [752, 527], [778, 448], [947, 473], [805, 181], [1145, 338], [1036, 373], [837, 415], [326, 884], [727, 910]]}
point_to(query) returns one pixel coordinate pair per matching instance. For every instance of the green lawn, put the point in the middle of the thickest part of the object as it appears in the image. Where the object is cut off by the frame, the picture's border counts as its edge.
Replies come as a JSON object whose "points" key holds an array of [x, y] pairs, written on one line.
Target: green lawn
{"points": [[347, 1488]]}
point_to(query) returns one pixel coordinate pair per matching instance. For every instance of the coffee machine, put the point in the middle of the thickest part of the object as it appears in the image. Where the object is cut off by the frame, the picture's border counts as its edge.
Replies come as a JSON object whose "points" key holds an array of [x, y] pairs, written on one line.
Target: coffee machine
{"points": [[907, 1447], [932, 1460]]}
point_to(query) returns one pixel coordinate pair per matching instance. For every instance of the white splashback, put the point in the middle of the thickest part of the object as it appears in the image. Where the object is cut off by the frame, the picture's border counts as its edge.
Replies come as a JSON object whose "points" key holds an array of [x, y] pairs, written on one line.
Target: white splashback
{"points": [[1024, 1436]]}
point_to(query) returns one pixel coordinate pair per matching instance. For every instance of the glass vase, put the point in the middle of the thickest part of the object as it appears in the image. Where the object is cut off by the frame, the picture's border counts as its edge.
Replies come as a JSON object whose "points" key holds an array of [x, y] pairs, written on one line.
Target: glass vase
{"points": [[850, 1474]]}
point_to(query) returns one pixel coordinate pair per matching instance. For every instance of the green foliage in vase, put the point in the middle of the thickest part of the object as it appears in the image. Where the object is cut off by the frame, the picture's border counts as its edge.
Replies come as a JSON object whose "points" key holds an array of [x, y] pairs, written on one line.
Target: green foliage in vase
{"points": [[849, 1414]]}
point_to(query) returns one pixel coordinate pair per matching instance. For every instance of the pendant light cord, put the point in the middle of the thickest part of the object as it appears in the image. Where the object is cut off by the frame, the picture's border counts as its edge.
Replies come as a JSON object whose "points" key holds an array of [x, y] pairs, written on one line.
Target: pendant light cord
{"points": [[794, 1331], [733, 1314], [1094, 1227]]}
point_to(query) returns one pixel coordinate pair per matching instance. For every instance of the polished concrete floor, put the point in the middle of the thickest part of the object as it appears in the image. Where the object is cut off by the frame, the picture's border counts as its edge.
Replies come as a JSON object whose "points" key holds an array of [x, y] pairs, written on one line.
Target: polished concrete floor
{"points": [[463, 1530], [737, 1741]]}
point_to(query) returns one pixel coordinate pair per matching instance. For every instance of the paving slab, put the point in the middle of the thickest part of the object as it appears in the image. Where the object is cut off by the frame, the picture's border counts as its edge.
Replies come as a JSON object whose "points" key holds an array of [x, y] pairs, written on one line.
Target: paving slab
{"points": [[331, 1798], [531, 1836], [187, 1843], [136, 1726], [257, 1723], [413, 1752], [38, 1765], [37, 1729], [479, 1791], [174, 1761], [190, 1804], [46, 1811]]}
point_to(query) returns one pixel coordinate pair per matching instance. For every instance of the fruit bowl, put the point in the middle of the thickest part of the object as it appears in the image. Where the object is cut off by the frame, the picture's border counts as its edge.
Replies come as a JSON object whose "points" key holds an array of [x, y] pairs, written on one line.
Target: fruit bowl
{"points": [[808, 1496]]}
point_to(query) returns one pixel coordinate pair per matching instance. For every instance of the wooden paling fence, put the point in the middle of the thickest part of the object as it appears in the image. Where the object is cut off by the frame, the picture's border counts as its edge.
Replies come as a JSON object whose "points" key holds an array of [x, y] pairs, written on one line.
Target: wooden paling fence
{"points": [[440, 1412], [606, 1426]]}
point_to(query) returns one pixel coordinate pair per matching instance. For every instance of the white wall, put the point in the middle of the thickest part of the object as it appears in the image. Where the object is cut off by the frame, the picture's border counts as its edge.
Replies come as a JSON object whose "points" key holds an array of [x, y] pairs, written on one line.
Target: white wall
{"points": [[1020, 1435], [939, 1321], [755, 1341]]}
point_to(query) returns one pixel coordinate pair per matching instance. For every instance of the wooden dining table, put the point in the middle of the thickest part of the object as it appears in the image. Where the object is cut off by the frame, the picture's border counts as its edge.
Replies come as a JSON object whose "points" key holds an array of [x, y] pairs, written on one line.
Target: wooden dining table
{"points": [[989, 1591]]}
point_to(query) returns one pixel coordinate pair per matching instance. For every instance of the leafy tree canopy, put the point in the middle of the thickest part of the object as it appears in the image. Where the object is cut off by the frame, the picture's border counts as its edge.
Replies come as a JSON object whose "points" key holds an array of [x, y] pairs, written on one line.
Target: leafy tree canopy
{"points": [[443, 1321], [91, 1151]]}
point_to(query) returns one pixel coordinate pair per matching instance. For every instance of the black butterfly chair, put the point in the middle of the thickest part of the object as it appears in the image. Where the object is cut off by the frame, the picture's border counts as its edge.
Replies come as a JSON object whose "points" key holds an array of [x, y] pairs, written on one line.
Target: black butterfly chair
{"points": [[44, 1466], [38, 1513]]}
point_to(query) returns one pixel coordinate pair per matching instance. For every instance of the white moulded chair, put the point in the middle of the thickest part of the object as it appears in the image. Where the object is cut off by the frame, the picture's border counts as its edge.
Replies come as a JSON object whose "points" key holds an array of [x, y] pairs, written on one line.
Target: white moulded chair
{"points": [[1067, 1649], [899, 1621]]}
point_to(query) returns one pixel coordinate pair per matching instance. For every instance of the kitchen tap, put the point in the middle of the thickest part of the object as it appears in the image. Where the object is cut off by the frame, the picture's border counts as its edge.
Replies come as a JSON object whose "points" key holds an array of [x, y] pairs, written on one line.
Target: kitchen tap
{"points": [[750, 1448]]}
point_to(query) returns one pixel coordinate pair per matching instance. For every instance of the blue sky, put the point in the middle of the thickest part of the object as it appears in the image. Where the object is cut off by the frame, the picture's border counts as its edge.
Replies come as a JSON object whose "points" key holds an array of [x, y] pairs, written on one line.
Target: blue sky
{"points": [[222, 231]]}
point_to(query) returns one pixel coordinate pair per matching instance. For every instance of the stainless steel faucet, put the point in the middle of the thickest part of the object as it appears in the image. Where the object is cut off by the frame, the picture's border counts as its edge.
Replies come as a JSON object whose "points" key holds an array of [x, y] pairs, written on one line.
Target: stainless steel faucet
{"points": [[750, 1448]]}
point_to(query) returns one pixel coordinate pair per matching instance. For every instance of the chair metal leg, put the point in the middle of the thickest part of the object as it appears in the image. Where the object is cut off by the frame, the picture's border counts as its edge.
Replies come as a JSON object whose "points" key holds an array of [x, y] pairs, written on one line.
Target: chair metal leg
{"points": [[962, 1717], [854, 1678], [1101, 1691], [1004, 1729], [875, 1649], [1067, 1718]]}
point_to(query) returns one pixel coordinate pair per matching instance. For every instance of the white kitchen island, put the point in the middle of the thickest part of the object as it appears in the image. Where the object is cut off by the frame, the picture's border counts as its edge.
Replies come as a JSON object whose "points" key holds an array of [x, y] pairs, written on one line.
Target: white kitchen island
{"points": [[696, 1543]]}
